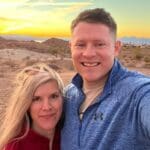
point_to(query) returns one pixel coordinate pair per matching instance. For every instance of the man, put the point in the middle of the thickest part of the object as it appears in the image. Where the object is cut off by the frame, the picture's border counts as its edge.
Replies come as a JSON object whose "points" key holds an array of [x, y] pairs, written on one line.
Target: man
{"points": [[108, 107]]}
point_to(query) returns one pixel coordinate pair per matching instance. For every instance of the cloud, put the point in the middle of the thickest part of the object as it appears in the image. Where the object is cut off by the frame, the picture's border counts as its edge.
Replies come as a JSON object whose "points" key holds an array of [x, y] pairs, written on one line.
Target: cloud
{"points": [[7, 1], [39, 3], [31, 9], [7, 5], [6, 20], [37, 14], [16, 26], [34, 1], [54, 3]]}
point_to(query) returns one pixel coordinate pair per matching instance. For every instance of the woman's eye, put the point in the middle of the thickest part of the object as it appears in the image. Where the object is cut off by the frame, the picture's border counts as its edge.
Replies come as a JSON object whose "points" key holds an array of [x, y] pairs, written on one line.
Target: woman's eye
{"points": [[36, 98], [54, 96]]}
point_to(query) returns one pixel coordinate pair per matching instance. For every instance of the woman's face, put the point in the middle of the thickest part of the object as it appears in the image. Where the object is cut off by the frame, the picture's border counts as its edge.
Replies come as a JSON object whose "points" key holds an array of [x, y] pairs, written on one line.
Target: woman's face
{"points": [[46, 107]]}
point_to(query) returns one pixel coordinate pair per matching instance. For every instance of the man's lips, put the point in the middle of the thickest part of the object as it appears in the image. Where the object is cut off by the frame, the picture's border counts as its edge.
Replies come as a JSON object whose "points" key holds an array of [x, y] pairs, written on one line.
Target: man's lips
{"points": [[90, 64]]}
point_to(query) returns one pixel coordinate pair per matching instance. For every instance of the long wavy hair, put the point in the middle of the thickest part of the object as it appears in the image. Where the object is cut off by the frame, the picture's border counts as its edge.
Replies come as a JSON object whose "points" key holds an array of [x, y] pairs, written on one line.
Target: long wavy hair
{"points": [[15, 117]]}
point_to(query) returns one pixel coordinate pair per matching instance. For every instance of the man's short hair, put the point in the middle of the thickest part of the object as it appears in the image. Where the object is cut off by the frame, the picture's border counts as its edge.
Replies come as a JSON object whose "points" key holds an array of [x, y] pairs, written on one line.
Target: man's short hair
{"points": [[97, 15]]}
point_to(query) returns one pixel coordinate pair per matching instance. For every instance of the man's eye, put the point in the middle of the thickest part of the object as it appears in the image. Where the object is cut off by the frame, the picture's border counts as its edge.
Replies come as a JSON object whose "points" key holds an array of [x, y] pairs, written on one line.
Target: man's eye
{"points": [[80, 45], [100, 44], [36, 98]]}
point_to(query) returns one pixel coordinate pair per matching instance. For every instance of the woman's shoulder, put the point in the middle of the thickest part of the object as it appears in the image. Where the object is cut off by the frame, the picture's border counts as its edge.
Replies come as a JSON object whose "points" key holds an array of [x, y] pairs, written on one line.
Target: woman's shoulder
{"points": [[14, 145], [29, 142]]}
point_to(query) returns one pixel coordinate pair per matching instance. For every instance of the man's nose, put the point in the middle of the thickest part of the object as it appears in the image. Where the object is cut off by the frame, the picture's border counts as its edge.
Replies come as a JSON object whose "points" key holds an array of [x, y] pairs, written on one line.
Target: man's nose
{"points": [[89, 51]]}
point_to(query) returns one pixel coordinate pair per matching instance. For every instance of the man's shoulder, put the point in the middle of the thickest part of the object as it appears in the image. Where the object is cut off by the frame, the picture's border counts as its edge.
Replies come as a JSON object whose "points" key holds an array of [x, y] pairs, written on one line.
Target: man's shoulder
{"points": [[70, 86], [136, 77], [129, 80], [133, 81]]}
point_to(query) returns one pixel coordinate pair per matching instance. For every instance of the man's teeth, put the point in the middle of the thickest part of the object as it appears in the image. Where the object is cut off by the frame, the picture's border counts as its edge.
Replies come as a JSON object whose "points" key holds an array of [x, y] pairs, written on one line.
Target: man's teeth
{"points": [[90, 64]]}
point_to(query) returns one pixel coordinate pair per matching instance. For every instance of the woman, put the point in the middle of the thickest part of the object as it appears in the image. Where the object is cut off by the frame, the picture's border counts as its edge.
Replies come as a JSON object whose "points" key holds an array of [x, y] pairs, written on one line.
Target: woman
{"points": [[33, 114]]}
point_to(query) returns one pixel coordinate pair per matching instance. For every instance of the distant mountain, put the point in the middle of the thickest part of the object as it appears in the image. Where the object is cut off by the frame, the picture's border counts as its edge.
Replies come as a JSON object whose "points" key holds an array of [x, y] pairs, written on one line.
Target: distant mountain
{"points": [[135, 40], [128, 40], [2, 39], [23, 38]]}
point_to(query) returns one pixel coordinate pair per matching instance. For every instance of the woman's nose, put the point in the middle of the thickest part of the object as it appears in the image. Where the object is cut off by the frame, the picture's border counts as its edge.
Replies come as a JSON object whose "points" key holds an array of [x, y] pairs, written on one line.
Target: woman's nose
{"points": [[46, 105]]}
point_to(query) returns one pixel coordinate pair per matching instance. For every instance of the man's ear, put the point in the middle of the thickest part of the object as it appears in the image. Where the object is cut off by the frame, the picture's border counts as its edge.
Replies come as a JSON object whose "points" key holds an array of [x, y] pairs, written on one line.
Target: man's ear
{"points": [[69, 44], [118, 45]]}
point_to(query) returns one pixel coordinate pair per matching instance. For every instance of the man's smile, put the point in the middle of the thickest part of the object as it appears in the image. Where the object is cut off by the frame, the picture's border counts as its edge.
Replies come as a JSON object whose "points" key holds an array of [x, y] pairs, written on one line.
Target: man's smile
{"points": [[90, 64]]}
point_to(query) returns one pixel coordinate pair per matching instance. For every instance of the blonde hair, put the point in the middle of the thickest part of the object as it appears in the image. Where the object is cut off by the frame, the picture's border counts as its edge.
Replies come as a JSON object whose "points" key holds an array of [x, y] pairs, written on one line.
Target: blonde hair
{"points": [[16, 112]]}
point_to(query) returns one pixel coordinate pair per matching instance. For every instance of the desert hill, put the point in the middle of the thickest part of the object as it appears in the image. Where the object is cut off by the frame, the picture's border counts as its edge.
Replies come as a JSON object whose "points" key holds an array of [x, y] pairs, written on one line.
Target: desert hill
{"points": [[53, 45], [131, 55], [14, 55]]}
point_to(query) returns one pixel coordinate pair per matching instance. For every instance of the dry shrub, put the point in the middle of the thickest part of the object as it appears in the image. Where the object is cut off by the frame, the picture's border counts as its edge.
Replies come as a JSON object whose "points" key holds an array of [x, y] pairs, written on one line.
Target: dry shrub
{"points": [[29, 62], [9, 63], [26, 58], [55, 67], [147, 65], [147, 59], [2, 75], [137, 54]]}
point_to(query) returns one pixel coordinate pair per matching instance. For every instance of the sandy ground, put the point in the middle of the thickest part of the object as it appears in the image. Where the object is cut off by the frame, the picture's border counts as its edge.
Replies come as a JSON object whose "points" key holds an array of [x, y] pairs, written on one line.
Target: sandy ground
{"points": [[22, 54], [7, 73], [6, 85]]}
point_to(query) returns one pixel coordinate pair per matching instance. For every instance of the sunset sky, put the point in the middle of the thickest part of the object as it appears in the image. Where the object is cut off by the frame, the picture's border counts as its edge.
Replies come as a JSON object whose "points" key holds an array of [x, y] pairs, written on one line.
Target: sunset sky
{"points": [[52, 18]]}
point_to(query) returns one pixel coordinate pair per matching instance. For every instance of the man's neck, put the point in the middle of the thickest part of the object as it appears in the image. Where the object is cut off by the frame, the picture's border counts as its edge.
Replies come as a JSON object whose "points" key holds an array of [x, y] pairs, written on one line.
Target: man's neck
{"points": [[93, 85]]}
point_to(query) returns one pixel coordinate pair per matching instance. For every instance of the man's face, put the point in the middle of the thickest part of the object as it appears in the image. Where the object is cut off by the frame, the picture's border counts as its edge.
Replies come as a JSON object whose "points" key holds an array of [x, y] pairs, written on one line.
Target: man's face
{"points": [[93, 49]]}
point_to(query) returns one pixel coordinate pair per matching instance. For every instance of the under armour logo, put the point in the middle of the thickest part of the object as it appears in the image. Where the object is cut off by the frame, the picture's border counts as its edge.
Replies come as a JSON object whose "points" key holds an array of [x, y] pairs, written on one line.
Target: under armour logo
{"points": [[98, 116]]}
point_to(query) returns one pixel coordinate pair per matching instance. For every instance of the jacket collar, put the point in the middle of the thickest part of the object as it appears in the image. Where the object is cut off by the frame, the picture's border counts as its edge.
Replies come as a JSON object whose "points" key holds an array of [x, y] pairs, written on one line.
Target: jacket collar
{"points": [[114, 75]]}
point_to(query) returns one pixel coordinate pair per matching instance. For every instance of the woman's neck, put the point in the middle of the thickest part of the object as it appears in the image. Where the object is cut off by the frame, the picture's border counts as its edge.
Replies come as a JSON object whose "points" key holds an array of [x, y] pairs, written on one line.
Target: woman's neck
{"points": [[49, 134]]}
